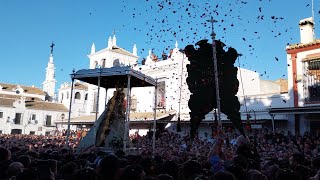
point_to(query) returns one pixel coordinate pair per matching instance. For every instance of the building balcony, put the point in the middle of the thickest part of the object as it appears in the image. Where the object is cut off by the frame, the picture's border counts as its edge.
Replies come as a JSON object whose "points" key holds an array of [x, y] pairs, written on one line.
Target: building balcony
{"points": [[49, 125]]}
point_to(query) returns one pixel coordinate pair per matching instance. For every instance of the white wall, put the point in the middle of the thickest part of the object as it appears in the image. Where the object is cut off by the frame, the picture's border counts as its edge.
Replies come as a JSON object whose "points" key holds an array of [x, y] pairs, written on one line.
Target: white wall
{"points": [[299, 75], [250, 82], [79, 106], [267, 87], [26, 115]]}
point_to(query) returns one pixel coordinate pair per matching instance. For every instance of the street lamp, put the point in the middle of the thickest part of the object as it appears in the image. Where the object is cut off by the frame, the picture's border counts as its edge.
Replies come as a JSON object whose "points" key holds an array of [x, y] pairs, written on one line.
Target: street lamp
{"points": [[62, 118], [8, 119], [249, 116], [254, 113]]}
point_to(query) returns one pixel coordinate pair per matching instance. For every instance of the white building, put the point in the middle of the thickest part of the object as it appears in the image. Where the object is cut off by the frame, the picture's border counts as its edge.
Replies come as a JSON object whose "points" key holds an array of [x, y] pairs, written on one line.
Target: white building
{"points": [[24, 110], [303, 80], [79, 97], [28, 110]]}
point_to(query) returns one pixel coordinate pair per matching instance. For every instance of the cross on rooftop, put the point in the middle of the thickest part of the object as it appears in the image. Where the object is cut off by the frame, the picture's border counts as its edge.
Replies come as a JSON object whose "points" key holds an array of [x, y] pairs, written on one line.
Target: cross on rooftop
{"points": [[52, 45]]}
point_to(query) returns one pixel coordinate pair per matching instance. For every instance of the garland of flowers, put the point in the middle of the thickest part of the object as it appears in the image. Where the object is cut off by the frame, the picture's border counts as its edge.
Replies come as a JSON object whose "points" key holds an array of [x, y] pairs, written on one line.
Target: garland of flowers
{"points": [[105, 125]]}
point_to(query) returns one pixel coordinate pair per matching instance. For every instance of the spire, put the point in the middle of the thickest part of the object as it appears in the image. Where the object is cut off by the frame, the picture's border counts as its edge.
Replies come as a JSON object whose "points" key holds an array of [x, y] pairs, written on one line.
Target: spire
{"points": [[50, 81], [114, 40], [110, 43], [150, 52], [176, 44], [135, 50], [93, 49], [50, 59]]}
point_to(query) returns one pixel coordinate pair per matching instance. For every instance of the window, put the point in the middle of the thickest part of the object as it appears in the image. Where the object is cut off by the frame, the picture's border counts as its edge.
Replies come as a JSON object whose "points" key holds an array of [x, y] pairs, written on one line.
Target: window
{"points": [[67, 95], [133, 103], [47, 133], [1, 115], [32, 132], [116, 63], [311, 80], [16, 131], [95, 65], [62, 116], [17, 119], [48, 120], [161, 95], [86, 97], [33, 117], [0, 131], [94, 107], [77, 95], [61, 96]]}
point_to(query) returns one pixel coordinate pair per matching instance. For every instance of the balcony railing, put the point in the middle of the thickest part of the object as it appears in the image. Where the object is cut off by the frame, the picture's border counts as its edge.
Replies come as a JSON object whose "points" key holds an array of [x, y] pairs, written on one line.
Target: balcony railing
{"points": [[311, 80]]}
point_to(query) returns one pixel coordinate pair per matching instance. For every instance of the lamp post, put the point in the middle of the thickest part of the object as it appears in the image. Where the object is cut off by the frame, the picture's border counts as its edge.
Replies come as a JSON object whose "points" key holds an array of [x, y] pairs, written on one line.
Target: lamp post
{"points": [[70, 105], [254, 113], [62, 118], [9, 122], [249, 116], [8, 119]]}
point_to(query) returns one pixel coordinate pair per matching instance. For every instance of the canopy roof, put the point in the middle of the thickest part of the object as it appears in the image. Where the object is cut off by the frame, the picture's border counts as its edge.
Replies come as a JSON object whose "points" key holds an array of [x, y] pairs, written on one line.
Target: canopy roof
{"points": [[114, 77], [295, 110]]}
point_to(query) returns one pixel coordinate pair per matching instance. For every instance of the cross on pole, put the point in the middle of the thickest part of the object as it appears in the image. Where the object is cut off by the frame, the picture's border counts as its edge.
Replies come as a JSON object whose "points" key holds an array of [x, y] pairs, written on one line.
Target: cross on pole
{"points": [[216, 74], [51, 46], [212, 21], [114, 32]]}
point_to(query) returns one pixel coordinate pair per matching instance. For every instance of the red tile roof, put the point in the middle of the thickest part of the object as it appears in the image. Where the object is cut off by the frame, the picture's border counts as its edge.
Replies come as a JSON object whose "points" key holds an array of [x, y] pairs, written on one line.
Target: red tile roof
{"points": [[301, 45], [27, 89]]}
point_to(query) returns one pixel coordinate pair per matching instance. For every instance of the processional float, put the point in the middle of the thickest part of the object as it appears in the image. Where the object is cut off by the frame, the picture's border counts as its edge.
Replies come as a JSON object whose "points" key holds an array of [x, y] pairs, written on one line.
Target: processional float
{"points": [[111, 129]]}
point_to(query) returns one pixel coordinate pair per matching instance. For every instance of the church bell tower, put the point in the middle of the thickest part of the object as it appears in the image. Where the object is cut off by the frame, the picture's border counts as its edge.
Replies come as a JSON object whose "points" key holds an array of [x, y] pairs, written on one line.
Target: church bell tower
{"points": [[49, 83]]}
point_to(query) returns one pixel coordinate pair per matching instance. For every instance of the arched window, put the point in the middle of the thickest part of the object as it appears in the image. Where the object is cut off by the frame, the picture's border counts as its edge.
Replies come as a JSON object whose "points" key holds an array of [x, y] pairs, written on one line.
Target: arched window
{"points": [[103, 63], [116, 63], [67, 95], [95, 64], [86, 97], [77, 95]]}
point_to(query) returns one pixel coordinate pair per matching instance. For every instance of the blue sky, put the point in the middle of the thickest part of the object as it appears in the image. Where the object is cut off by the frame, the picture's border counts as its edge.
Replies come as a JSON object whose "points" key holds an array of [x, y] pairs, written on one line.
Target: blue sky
{"points": [[258, 29]]}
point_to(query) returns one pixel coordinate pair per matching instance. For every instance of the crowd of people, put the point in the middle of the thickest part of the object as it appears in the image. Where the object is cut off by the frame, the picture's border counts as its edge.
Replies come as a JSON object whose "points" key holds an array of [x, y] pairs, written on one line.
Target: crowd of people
{"points": [[262, 155]]}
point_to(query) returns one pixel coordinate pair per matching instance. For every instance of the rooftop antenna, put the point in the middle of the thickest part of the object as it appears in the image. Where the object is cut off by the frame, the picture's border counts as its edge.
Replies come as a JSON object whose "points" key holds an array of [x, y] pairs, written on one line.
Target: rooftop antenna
{"points": [[314, 22]]}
